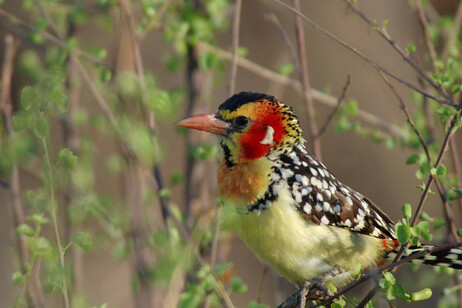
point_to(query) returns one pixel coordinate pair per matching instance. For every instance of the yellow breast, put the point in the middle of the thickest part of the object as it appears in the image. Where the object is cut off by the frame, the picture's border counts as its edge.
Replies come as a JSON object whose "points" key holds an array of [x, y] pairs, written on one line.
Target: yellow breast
{"points": [[296, 248]]}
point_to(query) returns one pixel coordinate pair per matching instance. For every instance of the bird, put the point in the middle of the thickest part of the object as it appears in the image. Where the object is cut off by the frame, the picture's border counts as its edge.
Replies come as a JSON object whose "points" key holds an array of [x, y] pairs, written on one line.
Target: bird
{"points": [[287, 207]]}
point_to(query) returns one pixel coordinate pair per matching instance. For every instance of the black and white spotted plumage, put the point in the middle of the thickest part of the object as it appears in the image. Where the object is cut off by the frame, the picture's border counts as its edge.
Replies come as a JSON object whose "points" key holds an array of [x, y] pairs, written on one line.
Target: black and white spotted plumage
{"points": [[321, 198]]}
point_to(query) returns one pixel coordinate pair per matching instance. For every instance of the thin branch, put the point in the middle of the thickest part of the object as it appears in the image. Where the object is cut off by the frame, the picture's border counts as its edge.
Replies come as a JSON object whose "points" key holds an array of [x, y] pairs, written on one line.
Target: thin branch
{"points": [[260, 283], [441, 100], [443, 149], [369, 296], [313, 129], [293, 54], [403, 54], [292, 300], [11, 20], [426, 31], [326, 99], [154, 22], [235, 42], [456, 165], [6, 107], [452, 37], [330, 117]]}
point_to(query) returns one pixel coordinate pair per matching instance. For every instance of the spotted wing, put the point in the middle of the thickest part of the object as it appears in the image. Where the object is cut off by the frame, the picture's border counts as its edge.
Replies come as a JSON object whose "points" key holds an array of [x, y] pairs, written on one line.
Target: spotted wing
{"points": [[321, 199]]}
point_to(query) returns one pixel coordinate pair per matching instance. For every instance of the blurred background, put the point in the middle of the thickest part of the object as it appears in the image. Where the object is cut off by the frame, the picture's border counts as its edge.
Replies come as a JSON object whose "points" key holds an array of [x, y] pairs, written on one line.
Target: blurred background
{"points": [[96, 87]]}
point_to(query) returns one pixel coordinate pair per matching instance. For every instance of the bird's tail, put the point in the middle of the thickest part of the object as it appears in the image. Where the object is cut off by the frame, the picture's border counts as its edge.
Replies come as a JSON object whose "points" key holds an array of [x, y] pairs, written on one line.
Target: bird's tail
{"points": [[445, 256]]}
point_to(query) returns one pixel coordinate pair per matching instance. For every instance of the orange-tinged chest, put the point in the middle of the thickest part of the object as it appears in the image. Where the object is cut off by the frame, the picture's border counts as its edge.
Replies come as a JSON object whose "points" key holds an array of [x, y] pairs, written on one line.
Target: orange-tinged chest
{"points": [[245, 183]]}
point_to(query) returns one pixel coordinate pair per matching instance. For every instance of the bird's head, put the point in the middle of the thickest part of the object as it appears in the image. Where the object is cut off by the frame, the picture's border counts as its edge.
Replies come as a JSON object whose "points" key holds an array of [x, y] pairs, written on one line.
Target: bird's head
{"points": [[249, 126]]}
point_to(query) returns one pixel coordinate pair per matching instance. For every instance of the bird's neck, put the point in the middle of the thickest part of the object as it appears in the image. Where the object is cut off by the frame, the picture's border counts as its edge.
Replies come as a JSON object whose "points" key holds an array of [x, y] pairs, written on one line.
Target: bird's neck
{"points": [[243, 183]]}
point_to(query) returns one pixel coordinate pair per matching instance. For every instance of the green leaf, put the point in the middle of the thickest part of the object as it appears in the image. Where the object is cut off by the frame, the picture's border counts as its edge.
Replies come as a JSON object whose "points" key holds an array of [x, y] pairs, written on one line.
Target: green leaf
{"points": [[41, 128], [459, 232], [357, 270], [421, 295], [25, 230], [60, 100], [389, 278], [407, 210], [410, 48], [83, 240], [254, 304], [68, 158], [351, 108], [18, 122], [414, 158], [105, 75], [403, 232], [237, 285], [18, 278], [222, 267], [286, 69], [441, 171], [423, 229], [28, 96], [455, 88]]}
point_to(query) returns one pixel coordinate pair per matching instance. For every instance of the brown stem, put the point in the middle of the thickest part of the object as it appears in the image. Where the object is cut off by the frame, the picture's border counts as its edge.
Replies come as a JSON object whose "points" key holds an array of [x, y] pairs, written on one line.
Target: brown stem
{"points": [[6, 106], [15, 23], [441, 100], [452, 37], [235, 41], [428, 41], [330, 117], [402, 53], [306, 83], [318, 96]]}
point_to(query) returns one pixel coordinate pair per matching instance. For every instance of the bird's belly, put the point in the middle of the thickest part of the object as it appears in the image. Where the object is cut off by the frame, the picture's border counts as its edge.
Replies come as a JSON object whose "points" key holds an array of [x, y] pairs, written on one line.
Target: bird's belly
{"points": [[296, 248]]}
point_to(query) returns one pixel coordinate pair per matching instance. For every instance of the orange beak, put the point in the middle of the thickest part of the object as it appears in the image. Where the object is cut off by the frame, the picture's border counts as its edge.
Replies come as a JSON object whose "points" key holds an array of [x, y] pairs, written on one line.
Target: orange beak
{"points": [[208, 122]]}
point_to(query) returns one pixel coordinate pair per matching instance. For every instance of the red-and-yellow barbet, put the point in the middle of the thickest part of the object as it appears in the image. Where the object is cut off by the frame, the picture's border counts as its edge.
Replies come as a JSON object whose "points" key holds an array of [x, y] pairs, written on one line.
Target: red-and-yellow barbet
{"points": [[286, 206]]}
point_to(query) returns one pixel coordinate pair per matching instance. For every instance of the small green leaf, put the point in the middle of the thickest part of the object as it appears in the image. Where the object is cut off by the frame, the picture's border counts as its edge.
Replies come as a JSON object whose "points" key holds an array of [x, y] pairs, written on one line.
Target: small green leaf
{"points": [[357, 270], [414, 158], [455, 88], [68, 158], [286, 69], [25, 230], [441, 171], [105, 75], [18, 278], [83, 240], [459, 232], [407, 210], [389, 278], [421, 295], [410, 48], [403, 232], [41, 128], [238, 285], [18, 123], [28, 96], [222, 267]]}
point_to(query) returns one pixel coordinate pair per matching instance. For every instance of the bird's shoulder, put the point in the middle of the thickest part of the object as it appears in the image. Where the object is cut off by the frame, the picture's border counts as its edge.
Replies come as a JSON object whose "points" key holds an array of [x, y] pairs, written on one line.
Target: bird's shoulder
{"points": [[320, 198]]}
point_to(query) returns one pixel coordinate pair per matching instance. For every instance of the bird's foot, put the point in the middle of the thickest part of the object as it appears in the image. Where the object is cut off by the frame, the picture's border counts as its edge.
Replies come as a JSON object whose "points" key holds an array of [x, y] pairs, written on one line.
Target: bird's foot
{"points": [[314, 289]]}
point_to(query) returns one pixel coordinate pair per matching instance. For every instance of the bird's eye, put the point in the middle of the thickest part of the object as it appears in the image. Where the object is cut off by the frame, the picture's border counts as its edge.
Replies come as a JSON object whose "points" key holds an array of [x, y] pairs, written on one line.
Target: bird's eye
{"points": [[241, 121]]}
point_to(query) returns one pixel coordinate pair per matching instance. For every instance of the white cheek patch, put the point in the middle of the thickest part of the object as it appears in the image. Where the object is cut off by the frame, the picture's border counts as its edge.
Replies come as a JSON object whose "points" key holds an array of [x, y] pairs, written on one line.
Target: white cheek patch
{"points": [[269, 136]]}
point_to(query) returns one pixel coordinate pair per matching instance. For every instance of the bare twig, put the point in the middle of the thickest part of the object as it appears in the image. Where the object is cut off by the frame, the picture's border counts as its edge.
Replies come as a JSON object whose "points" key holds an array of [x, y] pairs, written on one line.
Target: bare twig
{"points": [[235, 42], [452, 36], [260, 283], [292, 300], [6, 106], [319, 96], [306, 83], [428, 41], [403, 54], [369, 296], [456, 165], [293, 54], [154, 22], [334, 111], [441, 100], [14, 22]]}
